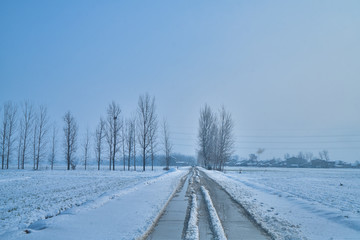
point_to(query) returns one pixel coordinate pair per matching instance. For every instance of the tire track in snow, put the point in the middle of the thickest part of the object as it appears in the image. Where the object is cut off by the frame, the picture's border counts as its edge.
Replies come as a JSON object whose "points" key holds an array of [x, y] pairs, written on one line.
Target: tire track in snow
{"points": [[215, 221], [192, 232]]}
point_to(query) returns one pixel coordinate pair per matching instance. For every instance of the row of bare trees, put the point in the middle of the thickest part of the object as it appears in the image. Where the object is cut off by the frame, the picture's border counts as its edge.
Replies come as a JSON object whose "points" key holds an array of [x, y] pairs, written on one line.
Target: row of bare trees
{"points": [[124, 135], [29, 133], [118, 135], [215, 137], [25, 131], [323, 155]]}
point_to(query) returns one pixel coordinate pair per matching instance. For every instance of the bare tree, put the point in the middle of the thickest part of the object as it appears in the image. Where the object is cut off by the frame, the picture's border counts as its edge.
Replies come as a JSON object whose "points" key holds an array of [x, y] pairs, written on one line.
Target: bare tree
{"points": [[70, 140], [206, 136], [35, 133], [129, 141], [53, 146], [167, 146], [99, 137], [7, 131], [146, 119], [110, 141], [4, 126], [309, 156], [324, 155], [301, 155], [215, 138], [123, 142], [225, 138], [11, 129], [26, 123], [40, 132], [20, 139], [153, 138], [86, 147], [213, 144], [114, 126]]}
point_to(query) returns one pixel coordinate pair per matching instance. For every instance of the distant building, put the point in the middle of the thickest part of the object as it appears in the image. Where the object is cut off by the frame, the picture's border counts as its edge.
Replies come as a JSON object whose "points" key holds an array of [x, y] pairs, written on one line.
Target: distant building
{"points": [[296, 162], [319, 163]]}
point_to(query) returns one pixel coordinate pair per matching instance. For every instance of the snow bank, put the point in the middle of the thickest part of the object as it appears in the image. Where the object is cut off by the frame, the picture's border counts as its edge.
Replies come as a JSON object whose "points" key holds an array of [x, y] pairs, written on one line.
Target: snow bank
{"points": [[215, 221], [298, 203], [192, 232]]}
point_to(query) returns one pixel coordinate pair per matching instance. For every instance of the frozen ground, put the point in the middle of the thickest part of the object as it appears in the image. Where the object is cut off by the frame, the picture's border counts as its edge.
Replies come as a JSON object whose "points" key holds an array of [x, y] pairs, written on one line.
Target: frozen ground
{"points": [[298, 203], [30, 200]]}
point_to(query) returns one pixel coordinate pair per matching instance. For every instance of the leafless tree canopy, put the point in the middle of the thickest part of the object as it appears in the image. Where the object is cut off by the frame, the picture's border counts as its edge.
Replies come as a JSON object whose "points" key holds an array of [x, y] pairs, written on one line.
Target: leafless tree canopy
{"points": [[129, 140], [70, 140], [41, 130], [225, 138], [153, 138], [113, 133], [167, 146], [26, 124], [146, 126], [324, 155], [99, 139], [7, 133], [216, 141], [309, 156], [206, 124], [86, 147], [4, 129], [53, 146]]}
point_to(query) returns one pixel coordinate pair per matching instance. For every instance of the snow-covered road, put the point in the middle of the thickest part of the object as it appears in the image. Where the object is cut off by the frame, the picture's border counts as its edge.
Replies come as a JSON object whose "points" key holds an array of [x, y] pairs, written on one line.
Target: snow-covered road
{"points": [[202, 210]]}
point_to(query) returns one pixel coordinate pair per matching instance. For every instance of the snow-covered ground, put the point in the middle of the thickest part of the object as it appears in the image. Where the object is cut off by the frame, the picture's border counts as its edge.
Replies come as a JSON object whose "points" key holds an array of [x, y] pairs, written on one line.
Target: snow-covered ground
{"points": [[30, 200], [298, 203]]}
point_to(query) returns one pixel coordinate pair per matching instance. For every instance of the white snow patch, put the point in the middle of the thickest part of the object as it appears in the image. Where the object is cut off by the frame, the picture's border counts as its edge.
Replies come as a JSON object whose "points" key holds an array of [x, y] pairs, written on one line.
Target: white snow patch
{"points": [[215, 221], [197, 179], [192, 232]]}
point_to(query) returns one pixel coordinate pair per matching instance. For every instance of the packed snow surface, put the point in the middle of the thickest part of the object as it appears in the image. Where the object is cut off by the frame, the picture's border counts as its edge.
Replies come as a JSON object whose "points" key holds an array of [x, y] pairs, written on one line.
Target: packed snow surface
{"points": [[32, 200], [298, 203], [215, 221], [192, 232]]}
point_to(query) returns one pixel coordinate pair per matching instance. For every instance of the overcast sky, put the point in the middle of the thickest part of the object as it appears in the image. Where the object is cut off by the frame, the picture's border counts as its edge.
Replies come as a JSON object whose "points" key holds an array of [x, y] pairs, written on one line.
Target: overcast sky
{"points": [[288, 71]]}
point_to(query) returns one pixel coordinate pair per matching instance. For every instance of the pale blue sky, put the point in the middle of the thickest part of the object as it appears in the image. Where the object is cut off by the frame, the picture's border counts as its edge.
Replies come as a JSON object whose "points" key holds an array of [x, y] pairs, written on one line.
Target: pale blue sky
{"points": [[283, 68]]}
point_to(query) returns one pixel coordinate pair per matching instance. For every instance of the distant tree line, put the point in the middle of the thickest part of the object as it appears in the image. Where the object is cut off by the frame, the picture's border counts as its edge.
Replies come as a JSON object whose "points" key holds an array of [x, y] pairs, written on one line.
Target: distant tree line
{"points": [[215, 138], [302, 159], [27, 136]]}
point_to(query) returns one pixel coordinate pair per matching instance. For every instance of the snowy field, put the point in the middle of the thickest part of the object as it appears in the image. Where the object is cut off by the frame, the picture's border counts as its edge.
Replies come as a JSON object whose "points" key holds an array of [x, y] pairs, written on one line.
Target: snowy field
{"points": [[298, 203], [29, 197]]}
